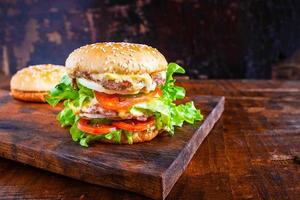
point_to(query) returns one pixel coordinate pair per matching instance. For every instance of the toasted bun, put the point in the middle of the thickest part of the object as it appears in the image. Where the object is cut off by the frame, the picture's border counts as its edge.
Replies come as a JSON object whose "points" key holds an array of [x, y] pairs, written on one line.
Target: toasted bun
{"points": [[34, 82], [137, 137], [118, 58], [38, 78], [29, 96]]}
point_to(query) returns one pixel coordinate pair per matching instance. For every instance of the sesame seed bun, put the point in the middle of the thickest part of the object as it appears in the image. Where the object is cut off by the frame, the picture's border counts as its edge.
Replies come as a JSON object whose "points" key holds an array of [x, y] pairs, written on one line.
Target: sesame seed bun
{"points": [[115, 57], [34, 82]]}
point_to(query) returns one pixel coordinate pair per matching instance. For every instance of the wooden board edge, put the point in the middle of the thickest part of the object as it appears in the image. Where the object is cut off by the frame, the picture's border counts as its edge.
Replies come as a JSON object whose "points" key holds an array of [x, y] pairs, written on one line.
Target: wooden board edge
{"points": [[169, 178]]}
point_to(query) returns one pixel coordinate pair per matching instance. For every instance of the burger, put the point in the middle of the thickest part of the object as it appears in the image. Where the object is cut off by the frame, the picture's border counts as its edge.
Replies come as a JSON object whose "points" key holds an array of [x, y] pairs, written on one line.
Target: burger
{"points": [[121, 93]]}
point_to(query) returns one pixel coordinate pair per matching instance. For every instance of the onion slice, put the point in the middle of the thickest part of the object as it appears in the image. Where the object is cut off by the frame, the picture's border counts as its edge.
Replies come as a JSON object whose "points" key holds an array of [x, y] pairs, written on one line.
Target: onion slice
{"points": [[93, 85]]}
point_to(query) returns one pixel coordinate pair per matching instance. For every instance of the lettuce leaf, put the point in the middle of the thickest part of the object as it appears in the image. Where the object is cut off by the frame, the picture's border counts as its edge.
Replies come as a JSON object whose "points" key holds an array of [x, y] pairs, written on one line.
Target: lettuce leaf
{"points": [[61, 91], [166, 112], [170, 91], [86, 139], [129, 137], [85, 95], [67, 116], [74, 100]]}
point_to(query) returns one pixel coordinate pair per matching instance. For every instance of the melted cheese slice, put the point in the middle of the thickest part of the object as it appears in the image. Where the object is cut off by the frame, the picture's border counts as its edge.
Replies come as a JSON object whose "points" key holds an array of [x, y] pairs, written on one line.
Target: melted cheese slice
{"points": [[141, 82]]}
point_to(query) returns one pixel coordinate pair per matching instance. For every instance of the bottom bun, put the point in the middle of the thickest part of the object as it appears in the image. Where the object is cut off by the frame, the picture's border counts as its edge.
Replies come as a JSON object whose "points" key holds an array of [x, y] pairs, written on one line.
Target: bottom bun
{"points": [[29, 96], [137, 137]]}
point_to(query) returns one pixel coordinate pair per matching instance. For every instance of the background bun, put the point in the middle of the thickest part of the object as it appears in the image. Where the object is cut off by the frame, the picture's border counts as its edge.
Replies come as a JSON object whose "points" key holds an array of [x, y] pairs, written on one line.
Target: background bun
{"points": [[118, 57], [34, 82], [29, 96], [37, 78]]}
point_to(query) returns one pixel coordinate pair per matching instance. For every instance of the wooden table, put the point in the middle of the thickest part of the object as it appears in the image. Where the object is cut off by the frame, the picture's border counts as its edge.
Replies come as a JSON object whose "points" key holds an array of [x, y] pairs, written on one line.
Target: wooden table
{"points": [[252, 153]]}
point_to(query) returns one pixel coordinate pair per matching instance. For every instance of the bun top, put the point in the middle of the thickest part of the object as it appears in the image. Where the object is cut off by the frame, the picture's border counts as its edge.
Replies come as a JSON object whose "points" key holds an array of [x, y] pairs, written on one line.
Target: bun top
{"points": [[37, 78], [115, 57]]}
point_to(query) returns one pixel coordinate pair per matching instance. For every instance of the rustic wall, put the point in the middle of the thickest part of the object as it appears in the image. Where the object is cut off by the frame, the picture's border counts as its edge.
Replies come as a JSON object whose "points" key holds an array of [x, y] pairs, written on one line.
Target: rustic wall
{"points": [[214, 38]]}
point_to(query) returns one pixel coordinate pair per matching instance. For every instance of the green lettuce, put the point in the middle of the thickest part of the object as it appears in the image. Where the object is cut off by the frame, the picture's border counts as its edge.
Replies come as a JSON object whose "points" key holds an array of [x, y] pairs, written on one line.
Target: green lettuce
{"points": [[166, 112], [87, 139], [61, 91], [74, 100], [170, 91]]}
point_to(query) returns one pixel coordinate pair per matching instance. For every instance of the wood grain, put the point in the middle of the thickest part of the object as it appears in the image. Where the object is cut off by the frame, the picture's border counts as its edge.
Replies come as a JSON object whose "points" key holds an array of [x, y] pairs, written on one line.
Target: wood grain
{"points": [[30, 134], [251, 153]]}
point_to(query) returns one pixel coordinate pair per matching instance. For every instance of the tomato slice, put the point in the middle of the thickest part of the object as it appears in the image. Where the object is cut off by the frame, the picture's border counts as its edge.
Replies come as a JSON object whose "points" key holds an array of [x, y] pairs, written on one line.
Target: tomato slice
{"points": [[97, 129], [118, 102], [134, 125]]}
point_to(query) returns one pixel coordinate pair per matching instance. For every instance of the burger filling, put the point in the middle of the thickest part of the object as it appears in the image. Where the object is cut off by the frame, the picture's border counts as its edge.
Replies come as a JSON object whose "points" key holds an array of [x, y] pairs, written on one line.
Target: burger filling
{"points": [[117, 106], [121, 84], [95, 110]]}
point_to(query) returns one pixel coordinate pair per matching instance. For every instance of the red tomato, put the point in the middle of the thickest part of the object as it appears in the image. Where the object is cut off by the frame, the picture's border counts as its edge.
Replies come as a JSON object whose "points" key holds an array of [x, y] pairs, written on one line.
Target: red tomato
{"points": [[134, 125], [96, 129], [118, 102]]}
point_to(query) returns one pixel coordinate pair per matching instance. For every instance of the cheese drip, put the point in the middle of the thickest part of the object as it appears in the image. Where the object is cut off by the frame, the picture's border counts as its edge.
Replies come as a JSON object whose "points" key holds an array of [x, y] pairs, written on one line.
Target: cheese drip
{"points": [[139, 83]]}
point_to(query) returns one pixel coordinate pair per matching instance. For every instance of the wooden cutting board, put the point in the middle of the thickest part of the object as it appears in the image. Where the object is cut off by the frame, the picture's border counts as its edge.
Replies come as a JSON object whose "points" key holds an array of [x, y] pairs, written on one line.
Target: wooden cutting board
{"points": [[30, 134]]}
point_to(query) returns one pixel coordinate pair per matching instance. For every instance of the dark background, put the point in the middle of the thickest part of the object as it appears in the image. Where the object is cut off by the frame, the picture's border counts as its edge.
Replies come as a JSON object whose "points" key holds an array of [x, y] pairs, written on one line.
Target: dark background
{"points": [[211, 39]]}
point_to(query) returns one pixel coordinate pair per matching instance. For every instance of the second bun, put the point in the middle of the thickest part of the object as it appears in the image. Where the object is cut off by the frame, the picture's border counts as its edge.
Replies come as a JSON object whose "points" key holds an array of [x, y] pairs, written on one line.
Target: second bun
{"points": [[34, 82]]}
